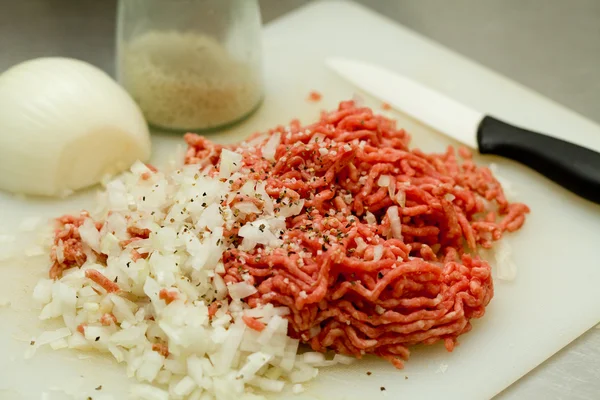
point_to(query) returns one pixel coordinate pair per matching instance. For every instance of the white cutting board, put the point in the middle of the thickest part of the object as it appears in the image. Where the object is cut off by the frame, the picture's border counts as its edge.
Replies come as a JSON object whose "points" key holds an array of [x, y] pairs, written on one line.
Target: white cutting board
{"points": [[553, 300]]}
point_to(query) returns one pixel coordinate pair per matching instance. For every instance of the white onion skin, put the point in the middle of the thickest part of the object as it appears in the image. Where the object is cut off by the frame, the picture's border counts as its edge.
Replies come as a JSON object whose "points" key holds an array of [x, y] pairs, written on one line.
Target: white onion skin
{"points": [[64, 125]]}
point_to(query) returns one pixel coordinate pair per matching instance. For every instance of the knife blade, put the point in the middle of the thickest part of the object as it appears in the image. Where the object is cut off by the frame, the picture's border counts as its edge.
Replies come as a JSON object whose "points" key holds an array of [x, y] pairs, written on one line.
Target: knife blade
{"points": [[574, 167]]}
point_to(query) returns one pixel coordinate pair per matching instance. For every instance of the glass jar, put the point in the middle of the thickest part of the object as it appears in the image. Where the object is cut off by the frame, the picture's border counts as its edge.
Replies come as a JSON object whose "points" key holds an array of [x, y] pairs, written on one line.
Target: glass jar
{"points": [[191, 65]]}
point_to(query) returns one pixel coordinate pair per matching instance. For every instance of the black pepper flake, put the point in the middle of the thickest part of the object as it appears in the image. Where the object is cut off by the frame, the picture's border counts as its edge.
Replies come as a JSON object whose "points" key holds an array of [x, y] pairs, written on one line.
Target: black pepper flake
{"points": [[97, 338], [382, 388], [203, 204], [204, 194], [380, 275], [369, 373], [32, 343], [116, 279], [405, 377], [128, 264], [262, 227], [323, 247], [99, 388]]}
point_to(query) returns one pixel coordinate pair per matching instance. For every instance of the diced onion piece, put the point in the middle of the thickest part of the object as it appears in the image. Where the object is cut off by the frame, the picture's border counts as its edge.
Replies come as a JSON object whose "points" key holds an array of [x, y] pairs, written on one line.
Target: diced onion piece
{"points": [[268, 385], [270, 147], [370, 218], [90, 235], [254, 362], [400, 198], [377, 252], [395, 224], [241, 290], [230, 162], [384, 180]]}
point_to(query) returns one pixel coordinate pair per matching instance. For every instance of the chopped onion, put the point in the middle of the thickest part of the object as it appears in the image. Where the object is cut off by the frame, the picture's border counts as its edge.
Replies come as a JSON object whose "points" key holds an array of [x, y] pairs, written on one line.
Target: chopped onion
{"points": [[384, 180], [241, 290], [370, 218], [400, 198], [304, 374], [270, 147], [254, 362], [268, 385], [360, 244], [247, 207], [165, 298], [395, 224], [230, 162], [377, 252]]}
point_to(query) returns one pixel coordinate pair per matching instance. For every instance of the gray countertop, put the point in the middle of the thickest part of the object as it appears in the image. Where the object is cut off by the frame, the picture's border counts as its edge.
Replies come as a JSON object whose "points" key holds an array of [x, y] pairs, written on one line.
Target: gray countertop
{"points": [[552, 46]]}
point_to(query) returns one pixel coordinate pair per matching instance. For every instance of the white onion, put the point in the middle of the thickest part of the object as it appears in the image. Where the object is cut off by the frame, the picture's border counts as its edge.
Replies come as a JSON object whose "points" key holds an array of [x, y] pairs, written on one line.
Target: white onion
{"points": [[289, 210], [276, 324], [268, 151], [152, 362], [377, 252], [297, 388], [305, 373], [184, 387], [247, 207], [90, 235], [241, 290], [230, 162], [384, 180], [64, 125], [370, 218], [42, 292], [268, 385], [313, 357], [392, 188], [395, 224], [400, 198], [254, 362], [360, 244]]}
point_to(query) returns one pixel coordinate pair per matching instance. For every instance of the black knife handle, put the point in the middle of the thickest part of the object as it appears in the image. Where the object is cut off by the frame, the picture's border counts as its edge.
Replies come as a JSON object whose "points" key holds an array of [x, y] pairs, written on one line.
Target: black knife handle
{"points": [[573, 167]]}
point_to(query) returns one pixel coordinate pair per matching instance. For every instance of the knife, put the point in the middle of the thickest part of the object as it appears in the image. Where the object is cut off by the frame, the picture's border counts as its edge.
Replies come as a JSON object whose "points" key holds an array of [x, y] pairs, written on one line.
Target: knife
{"points": [[574, 167]]}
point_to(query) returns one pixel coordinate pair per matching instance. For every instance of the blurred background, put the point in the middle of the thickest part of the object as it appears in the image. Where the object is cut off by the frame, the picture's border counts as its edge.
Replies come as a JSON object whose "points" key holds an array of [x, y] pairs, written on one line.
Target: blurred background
{"points": [[552, 46]]}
